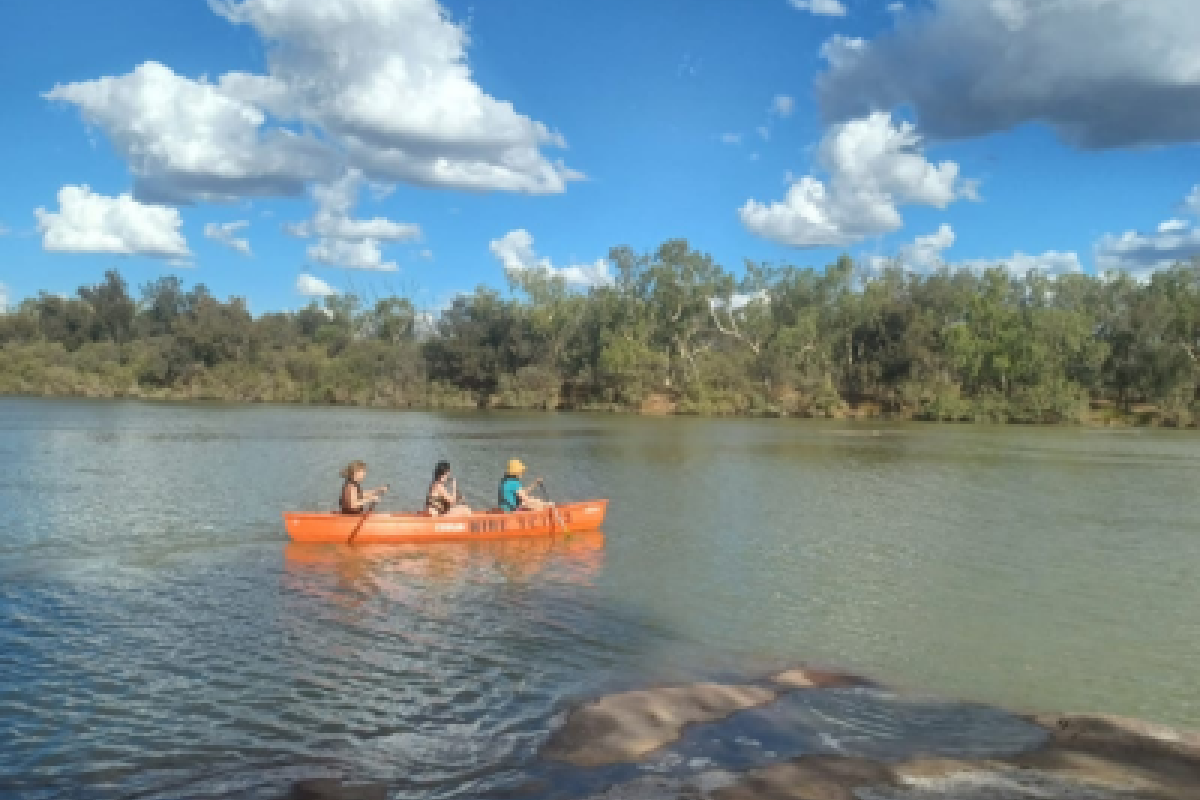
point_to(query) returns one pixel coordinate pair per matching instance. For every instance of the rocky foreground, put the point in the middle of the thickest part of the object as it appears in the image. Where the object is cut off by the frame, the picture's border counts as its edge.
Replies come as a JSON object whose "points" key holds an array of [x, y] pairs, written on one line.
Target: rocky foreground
{"points": [[1079, 757], [722, 741]]}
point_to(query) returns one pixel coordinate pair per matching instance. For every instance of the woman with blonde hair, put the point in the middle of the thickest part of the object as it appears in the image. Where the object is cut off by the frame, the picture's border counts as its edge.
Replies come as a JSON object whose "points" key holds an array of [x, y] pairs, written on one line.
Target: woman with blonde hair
{"points": [[515, 497], [353, 499]]}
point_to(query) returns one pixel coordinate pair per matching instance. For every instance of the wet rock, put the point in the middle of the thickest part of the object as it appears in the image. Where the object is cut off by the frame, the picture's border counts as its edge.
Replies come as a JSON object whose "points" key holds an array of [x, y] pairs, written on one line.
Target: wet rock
{"points": [[625, 727], [334, 789], [997, 784], [804, 678], [809, 778], [1119, 752]]}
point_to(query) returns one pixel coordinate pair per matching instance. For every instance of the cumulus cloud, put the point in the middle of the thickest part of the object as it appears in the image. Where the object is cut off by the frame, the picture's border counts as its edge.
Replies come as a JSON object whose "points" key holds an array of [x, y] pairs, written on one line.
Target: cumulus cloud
{"points": [[1175, 242], [1019, 264], [923, 255], [311, 286], [351, 254], [335, 202], [383, 85], [346, 242], [190, 140], [1191, 203], [389, 80], [783, 105], [736, 302], [825, 8], [93, 223], [226, 234], [972, 67], [873, 167], [926, 254], [515, 252]]}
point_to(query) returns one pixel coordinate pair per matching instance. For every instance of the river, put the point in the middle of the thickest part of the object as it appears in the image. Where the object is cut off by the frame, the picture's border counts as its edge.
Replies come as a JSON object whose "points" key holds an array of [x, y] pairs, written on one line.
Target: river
{"points": [[160, 638]]}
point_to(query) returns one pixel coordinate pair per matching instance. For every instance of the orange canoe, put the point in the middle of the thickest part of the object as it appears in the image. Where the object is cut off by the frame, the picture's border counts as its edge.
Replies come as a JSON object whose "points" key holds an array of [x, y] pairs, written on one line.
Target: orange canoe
{"points": [[587, 515]]}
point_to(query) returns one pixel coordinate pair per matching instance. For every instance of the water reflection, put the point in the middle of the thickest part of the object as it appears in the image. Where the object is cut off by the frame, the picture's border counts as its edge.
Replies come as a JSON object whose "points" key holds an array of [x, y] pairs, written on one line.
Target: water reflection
{"points": [[348, 574]]}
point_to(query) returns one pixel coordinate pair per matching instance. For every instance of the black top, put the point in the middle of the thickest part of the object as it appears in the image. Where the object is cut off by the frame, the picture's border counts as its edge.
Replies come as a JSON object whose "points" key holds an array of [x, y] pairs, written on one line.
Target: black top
{"points": [[357, 496]]}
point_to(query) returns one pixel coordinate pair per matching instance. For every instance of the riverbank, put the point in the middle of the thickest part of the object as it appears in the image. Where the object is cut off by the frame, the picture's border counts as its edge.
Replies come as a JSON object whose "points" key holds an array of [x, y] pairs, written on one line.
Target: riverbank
{"points": [[442, 398]]}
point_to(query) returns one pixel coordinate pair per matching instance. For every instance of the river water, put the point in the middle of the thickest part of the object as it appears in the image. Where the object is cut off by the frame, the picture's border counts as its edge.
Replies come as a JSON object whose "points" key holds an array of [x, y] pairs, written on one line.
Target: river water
{"points": [[159, 638]]}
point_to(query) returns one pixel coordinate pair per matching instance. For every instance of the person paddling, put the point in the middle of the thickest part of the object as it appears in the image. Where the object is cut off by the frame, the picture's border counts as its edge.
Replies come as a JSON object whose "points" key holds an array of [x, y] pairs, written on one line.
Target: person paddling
{"points": [[353, 499], [443, 498], [515, 497]]}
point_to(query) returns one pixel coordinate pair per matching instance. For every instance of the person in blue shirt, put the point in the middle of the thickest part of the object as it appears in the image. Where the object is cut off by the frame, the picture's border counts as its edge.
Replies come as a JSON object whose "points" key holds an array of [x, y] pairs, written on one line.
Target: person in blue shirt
{"points": [[515, 497]]}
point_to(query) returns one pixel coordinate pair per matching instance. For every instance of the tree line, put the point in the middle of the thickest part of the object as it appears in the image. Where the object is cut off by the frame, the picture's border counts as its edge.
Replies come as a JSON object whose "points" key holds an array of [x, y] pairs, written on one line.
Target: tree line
{"points": [[673, 331]]}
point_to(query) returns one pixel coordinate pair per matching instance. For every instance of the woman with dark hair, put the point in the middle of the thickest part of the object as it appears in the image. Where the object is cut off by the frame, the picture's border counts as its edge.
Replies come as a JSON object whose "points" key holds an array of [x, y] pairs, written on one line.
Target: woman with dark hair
{"points": [[443, 499], [353, 499]]}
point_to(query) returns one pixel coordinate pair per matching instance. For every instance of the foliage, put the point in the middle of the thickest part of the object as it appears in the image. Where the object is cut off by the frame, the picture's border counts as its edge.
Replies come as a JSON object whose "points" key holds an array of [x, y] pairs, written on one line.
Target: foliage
{"points": [[673, 329]]}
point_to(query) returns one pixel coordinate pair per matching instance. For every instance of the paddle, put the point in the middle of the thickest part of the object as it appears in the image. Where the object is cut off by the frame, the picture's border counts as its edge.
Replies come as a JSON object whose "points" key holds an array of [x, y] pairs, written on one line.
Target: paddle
{"points": [[554, 508], [357, 527], [366, 513]]}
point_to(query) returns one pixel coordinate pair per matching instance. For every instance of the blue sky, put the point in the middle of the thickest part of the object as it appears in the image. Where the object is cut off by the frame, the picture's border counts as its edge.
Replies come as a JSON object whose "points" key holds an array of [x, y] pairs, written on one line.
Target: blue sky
{"points": [[269, 148]]}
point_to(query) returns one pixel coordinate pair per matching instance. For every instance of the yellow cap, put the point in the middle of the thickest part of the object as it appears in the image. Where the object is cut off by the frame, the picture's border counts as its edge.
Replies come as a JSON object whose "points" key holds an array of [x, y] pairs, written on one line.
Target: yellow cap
{"points": [[515, 467]]}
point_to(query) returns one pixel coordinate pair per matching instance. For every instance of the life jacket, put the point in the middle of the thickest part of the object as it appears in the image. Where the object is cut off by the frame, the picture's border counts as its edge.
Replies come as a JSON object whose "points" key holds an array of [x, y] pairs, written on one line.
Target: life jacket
{"points": [[507, 492], [342, 498]]}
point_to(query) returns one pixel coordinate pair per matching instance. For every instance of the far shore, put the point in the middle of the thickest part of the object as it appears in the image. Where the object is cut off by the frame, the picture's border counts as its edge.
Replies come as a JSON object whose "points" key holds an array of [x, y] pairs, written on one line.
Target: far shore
{"points": [[1097, 415]]}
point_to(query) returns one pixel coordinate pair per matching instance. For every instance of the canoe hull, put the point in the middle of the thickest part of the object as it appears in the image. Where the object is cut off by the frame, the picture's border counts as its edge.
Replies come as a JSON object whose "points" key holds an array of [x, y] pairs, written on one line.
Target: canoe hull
{"points": [[396, 528]]}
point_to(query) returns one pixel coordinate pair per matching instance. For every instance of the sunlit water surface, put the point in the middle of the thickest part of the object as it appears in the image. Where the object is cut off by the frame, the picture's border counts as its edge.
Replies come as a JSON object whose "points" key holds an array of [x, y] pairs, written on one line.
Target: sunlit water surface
{"points": [[160, 639]]}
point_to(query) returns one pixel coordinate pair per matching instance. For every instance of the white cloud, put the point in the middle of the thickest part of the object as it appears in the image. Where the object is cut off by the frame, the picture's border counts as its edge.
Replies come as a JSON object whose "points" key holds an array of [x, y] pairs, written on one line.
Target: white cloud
{"points": [[93, 223], [389, 80], [311, 286], [4, 230], [226, 234], [335, 201], [925, 255], [3, 299], [873, 167], [764, 132], [346, 242], [1144, 253], [731, 138], [1019, 264], [190, 140], [1175, 241], [351, 254], [783, 105], [515, 252], [1191, 203], [972, 67], [895, 8], [426, 254], [383, 85], [737, 302], [826, 8]]}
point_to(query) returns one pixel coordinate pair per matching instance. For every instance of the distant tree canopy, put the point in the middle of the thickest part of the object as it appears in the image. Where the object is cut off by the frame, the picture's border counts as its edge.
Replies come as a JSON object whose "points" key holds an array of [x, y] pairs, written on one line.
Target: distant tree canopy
{"points": [[672, 328]]}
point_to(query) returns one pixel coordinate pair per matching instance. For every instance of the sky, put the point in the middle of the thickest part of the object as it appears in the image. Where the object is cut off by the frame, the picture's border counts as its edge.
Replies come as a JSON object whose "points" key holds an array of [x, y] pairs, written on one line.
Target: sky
{"points": [[279, 150]]}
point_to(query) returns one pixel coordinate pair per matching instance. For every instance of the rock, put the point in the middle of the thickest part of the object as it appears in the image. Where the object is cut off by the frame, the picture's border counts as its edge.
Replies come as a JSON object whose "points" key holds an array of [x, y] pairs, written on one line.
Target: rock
{"points": [[809, 778], [804, 678], [334, 789], [625, 727]]}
